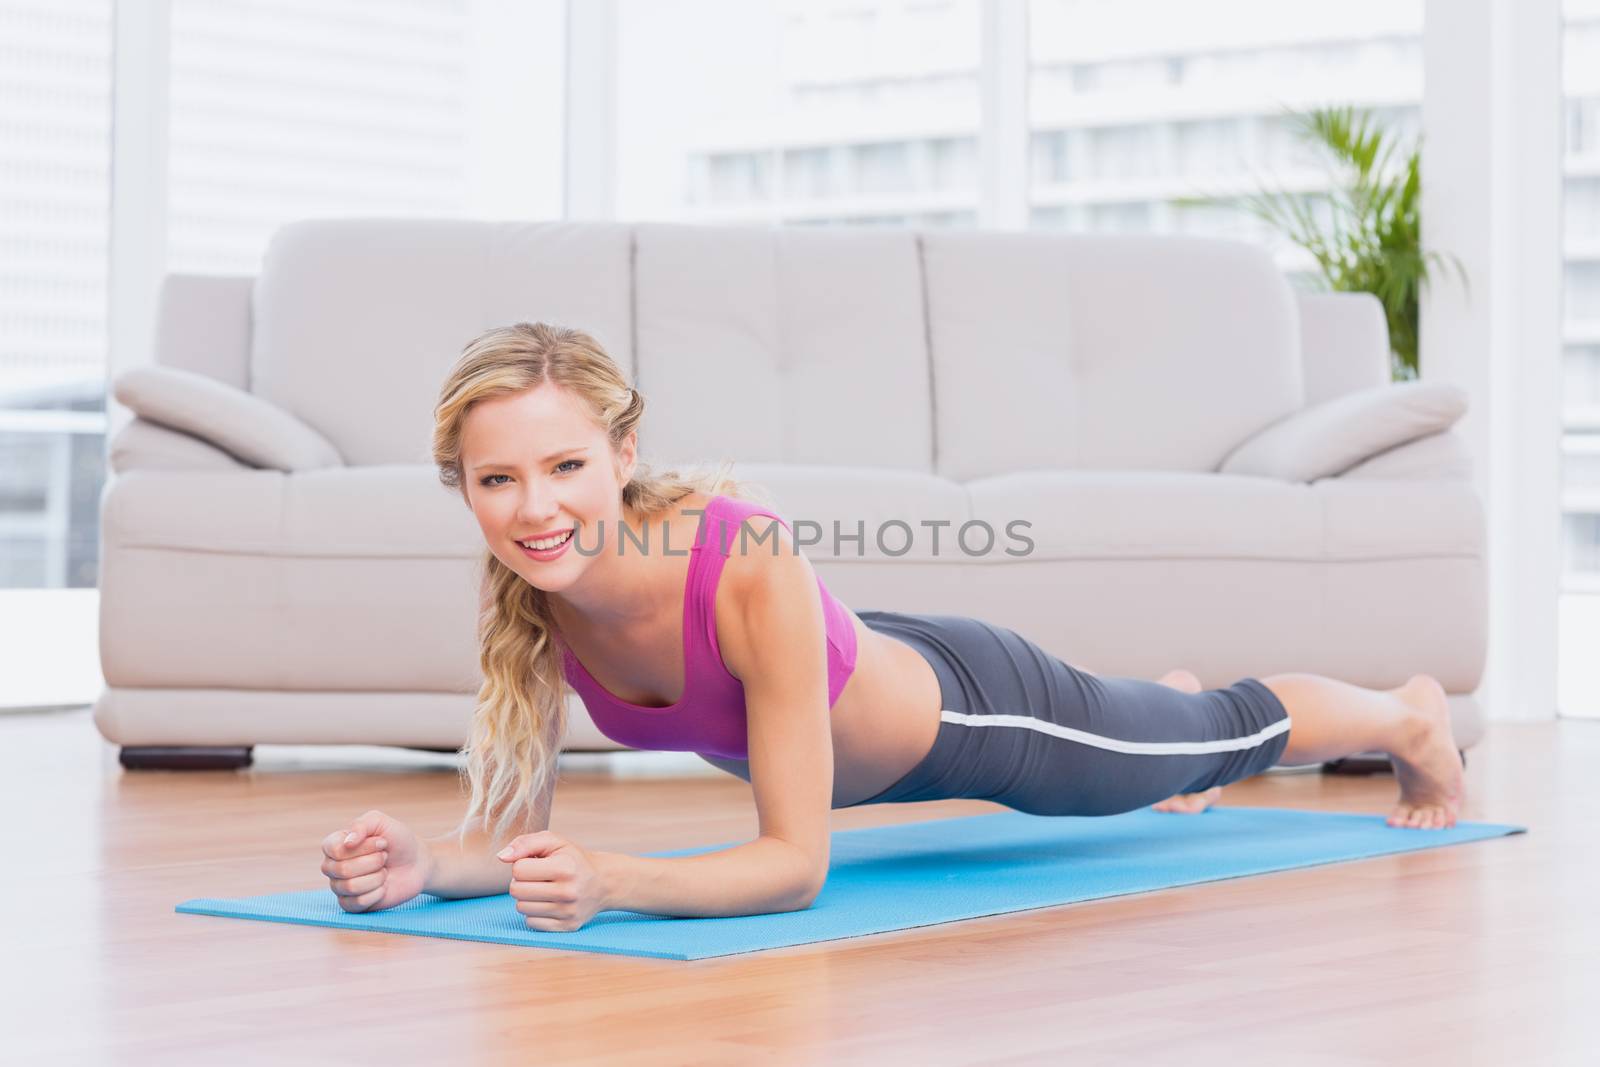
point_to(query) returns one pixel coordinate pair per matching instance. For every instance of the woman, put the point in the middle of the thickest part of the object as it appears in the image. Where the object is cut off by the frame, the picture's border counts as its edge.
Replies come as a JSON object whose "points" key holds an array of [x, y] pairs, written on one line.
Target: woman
{"points": [[680, 610]]}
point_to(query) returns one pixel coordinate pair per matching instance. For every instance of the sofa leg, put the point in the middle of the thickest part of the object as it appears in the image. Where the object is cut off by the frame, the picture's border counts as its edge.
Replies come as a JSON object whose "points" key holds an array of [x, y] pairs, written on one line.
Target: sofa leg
{"points": [[1370, 763], [185, 757], [1362, 763]]}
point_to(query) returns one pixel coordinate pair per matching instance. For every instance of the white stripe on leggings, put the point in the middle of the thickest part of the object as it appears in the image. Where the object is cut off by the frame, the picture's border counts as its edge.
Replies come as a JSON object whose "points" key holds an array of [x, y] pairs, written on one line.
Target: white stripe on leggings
{"points": [[1136, 748]]}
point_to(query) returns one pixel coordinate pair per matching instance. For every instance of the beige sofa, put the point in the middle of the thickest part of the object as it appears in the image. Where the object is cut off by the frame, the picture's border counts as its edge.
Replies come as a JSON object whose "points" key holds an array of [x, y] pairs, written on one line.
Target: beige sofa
{"points": [[1217, 472]]}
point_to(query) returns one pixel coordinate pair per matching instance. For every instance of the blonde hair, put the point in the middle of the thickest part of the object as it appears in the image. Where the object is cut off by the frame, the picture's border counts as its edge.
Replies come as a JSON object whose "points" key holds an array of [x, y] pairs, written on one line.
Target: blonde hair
{"points": [[520, 718]]}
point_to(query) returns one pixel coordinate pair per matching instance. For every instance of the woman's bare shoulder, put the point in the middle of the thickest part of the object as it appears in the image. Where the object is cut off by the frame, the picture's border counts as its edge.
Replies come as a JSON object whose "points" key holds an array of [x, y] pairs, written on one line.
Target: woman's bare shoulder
{"points": [[693, 504], [761, 553]]}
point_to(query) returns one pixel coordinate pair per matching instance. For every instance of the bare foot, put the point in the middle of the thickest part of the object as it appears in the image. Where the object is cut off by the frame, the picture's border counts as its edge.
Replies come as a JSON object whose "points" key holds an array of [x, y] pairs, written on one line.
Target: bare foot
{"points": [[1186, 803], [1190, 803], [1181, 679], [1428, 764]]}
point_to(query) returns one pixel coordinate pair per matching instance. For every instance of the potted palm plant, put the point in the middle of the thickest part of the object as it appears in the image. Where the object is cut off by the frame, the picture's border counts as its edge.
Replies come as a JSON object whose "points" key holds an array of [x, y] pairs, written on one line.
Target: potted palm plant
{"points": [[1371, 239]]}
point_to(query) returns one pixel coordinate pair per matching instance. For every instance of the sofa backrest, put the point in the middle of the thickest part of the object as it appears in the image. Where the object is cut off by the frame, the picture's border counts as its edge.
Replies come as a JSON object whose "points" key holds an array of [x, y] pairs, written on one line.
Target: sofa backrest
{"points": [[355, 323], [1344, 343], [783, 346], [960, 353], [1104, 351]]}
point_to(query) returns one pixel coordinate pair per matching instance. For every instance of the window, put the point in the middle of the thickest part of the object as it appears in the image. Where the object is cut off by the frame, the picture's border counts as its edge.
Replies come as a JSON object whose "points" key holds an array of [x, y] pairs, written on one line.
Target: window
{"points": [[1578, 686], [1181, 106], [860, 113], [281, 111], [55, 168]]}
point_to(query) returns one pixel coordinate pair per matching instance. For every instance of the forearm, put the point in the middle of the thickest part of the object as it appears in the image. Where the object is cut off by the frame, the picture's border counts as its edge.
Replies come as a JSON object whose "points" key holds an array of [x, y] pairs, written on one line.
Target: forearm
{"points": [[465, 867], [764, 875]]}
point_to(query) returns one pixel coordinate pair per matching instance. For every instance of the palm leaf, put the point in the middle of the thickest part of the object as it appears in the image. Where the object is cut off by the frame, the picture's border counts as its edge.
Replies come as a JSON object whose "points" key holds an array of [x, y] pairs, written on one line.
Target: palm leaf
{"points": [[1372, 239]]}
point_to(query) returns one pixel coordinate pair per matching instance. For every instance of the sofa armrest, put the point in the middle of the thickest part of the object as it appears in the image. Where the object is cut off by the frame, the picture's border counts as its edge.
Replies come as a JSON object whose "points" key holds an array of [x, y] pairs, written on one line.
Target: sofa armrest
{"points": [[257, 432], [203, 326], [1436, 456], [1330, 438], [1344, 343], [146, 445]]}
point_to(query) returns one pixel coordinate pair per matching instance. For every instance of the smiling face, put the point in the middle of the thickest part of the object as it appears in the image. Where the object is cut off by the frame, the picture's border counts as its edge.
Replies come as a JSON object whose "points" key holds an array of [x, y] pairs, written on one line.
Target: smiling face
{"points": [[535, 464]]}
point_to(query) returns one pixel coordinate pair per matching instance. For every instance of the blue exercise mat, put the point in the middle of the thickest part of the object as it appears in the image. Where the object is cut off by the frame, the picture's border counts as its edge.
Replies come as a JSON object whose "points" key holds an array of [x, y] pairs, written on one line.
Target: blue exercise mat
{"points": [[919, 874]]}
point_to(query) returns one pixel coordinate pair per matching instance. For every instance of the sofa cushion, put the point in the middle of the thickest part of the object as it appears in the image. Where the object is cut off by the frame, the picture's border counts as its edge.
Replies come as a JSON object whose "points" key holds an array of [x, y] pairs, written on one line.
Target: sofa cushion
{"points": [[356, 322], [772, 345], [1172, 515], [897, 514], [1326, 439], [240, 423], [145, 444], [1391, 519], [1104, 352], [401, 511], [1439, 455], [380, 511]]}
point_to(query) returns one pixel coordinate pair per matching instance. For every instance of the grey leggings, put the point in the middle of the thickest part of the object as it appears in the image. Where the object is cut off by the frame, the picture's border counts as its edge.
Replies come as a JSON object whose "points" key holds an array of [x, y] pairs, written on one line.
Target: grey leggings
{"points": [[1024, 729]]}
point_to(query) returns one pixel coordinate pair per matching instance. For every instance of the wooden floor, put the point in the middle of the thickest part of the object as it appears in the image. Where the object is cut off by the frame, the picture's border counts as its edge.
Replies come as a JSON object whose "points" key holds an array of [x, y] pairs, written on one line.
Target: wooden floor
{"points": [[1483, 953]]}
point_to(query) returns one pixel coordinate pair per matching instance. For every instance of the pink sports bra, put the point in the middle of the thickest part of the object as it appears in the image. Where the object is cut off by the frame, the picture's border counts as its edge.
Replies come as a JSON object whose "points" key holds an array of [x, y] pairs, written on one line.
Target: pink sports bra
{"points": [[710, 715]]}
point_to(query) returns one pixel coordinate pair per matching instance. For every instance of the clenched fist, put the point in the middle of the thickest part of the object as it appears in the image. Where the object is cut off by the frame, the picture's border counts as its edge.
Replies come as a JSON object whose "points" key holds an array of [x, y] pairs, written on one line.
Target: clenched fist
{"points": [[375, 863], [553, 881]]}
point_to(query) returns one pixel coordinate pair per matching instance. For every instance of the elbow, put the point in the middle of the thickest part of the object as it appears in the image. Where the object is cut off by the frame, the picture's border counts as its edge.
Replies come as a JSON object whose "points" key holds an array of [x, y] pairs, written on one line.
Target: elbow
{"points": [[804, 874], [801, 901], [809, 890]]}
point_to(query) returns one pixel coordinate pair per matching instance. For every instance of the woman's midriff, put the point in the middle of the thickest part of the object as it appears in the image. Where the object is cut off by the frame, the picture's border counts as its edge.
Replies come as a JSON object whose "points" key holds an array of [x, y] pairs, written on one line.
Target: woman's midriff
{"points": [[884, 722]]}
